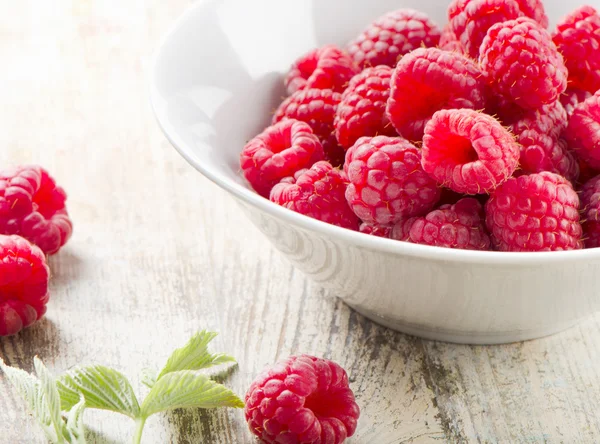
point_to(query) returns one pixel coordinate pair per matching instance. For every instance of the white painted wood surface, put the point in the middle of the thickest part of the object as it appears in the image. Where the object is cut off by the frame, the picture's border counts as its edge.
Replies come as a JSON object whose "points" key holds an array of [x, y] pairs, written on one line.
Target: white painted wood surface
{"points": [[159, 252]]}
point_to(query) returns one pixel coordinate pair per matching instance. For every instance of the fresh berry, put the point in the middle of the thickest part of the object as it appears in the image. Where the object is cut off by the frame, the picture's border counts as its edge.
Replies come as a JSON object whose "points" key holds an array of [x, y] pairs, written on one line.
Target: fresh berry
{"points": [[391, 36], [278, 152], [23, 284], [375, 230], [583, 131], [468, 151], [452, 226], [590, 207], [537, 212], [573, 97], [387, 181], [550, 119], [323, 68], [578, 39], [317, 107], [522, 63], [317, 192], [303, 400], [427, 80], [361, 112], [449, 41], [33, 206]]}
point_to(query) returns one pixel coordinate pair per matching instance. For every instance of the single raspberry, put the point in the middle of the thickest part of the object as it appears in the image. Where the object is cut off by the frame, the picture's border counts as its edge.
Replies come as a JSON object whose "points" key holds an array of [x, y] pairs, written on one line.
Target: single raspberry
{"points": [[323, 68], [451, 226], [317, 192], [449, 41], [391, 36], [278, 152], [522, 63], [538, 212], [427, 80], [361, 113], [317, 107], [33, 206], [375, 230], [303, 400], [590, 207], [577, 37], [583, 131], [468, 151], [387, 181], [23, 284], [573, 97]]}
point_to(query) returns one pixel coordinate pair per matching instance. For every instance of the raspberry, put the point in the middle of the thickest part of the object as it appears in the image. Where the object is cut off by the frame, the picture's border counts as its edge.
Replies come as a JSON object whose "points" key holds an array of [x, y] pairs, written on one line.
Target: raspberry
{"points": [[387, 181], [578, 39], [375, 230], [590, 206], [468, 151], [391, 36], [538, 212], [33, 206], [449, 41], [23, 284], [573, 97], [522, 63], [451, 226], [362, 109], [427, 80], [583, 131], [278, 152], [317, 192], [316, 107], [323, 68], [302, 400]]}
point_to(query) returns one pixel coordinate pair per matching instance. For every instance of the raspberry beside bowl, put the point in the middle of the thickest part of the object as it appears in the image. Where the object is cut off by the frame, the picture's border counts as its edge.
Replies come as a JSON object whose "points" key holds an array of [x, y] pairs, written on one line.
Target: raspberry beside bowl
{"points": [[216, 78]]}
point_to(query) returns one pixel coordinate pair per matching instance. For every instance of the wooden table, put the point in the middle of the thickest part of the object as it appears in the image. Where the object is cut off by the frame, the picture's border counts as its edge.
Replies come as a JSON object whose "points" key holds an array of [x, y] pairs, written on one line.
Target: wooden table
{"points": [[160, 252]]}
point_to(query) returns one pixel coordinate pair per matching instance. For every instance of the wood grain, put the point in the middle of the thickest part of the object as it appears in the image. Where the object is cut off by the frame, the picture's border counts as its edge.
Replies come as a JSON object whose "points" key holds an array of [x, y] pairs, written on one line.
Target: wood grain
{"points": [[159, 252]]}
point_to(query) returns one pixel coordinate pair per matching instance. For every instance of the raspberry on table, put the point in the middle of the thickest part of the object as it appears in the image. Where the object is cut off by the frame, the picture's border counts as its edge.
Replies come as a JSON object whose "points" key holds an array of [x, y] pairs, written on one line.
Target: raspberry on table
{"points": [[318, 192], [278, 152], [24, 279], [303, 400], [427, 80], [375, 230], [577, 37], [387, 182], [316, 107], [449, 41], [583, 131], [536, 212], [361, 112], [391, 36], [522, 63], [573, 97], [590, 207], [328, 67], [468, 151], [33, 206], [458, 226]]}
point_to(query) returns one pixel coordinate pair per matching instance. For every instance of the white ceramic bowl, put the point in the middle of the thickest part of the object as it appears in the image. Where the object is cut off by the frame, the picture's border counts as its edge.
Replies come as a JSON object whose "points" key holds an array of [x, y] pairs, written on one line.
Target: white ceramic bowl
{"points": [[216, 79]]}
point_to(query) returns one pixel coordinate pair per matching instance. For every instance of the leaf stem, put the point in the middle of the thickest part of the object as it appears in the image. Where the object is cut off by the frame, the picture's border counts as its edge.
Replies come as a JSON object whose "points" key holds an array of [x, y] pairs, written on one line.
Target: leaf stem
{"points": [[139, 429]]}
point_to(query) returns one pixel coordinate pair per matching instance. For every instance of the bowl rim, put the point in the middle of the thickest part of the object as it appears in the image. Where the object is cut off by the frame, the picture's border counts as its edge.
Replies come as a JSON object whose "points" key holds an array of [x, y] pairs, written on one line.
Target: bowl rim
{"points": [[356, 238]]}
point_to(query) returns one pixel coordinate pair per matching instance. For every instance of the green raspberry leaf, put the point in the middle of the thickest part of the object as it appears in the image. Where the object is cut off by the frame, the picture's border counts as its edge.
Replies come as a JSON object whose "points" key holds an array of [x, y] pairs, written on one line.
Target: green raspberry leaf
{"points": [[48, 400], [75, 428], [148, 377], [194, 355], [102, 387], [187, 389]]}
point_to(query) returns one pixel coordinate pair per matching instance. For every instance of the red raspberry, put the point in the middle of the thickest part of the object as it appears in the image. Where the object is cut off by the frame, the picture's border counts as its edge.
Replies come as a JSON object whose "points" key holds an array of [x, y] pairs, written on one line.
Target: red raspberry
{"points": [[323, 68], [361, 112], [316, 107], [387, 181], [578, 39], [451, 226], [317, 192], [33, 206], [23, 284], [583, 131], [449, 41], [278, 152], [427, 80], [590, 206], [303, 400], [522, 63], [393, 35], [468, 151], [375, 230], [573, 97], [538, 212]]}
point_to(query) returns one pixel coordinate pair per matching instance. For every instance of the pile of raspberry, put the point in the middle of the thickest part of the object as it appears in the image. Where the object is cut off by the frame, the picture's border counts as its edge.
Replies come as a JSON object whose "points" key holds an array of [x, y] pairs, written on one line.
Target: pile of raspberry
{"points": [[481, 135]]}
